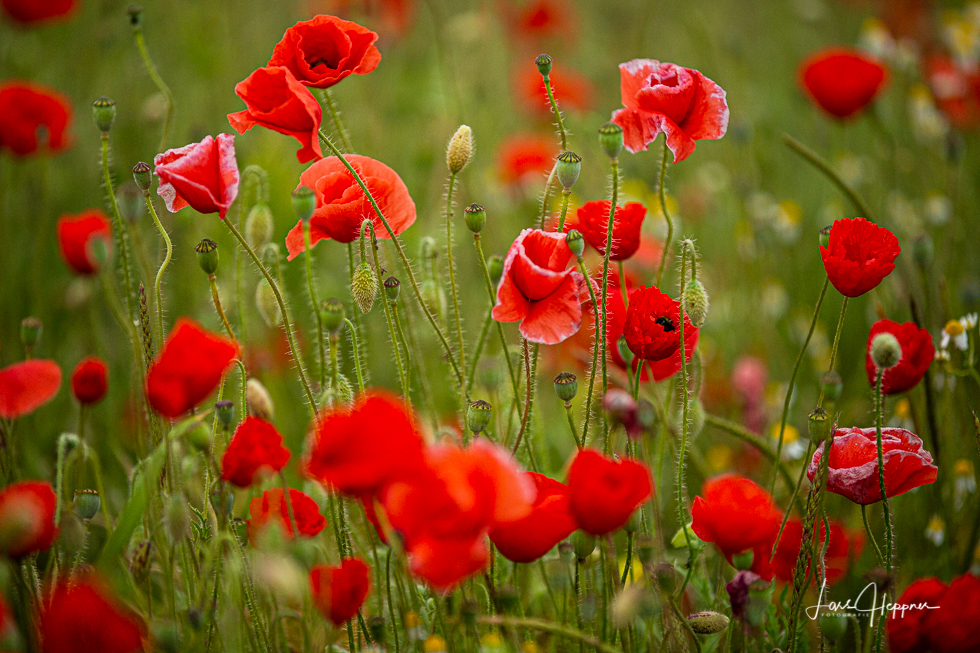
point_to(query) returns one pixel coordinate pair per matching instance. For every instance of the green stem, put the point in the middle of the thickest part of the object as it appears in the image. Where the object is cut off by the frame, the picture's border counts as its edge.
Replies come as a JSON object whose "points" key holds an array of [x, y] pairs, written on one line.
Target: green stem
{"points": [[554, 109], [823, 166], [452, 283], [879, 409], [571, 424], [546, 626], [389, 320], [357, 360], [119, 228], [337, 122], [163, 265], [311, 287], [500, 329], [212, 282], [833, 350], [663, 207], [565, 194], [871, 537], [595, 352], [682, 513], [527, 401], [481, 341], [614, 163], [159, 83]]}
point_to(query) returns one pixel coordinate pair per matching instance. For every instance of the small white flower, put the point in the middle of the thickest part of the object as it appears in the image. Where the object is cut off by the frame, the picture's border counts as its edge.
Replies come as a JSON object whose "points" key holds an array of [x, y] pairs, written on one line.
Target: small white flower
{"points": [[957, 331], [936, 531]]}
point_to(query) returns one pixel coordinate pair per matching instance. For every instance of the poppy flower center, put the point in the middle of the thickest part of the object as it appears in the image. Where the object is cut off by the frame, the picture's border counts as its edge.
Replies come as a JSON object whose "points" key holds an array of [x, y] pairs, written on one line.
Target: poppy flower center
{"points": [[666, 323]]}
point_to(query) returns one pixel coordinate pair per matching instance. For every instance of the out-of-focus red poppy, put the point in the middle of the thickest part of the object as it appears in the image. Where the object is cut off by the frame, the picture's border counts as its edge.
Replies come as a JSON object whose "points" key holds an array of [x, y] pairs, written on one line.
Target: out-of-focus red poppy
{"points": [[550, 521], [572, 90], [592, 220], [526, 157], [737, 516], [255, 447], [322, 51], [389, 17], [842, 81], [27, 518], [955, 91], [33, 118], [906, 633], [538, 289], [203, 176], [749, 378], [603, 492], [665, 98], [339, 591], [342, 206], [853, 470], [539, 19], [271, 509], [360, 449], [372, 516], [83, 617], [26, 386], [188, 368], [652, 325], [917, 354], [278, 101], [840, 550], [937, 619], [29, 12], [859, 255], [76, 236], [89, 380]]}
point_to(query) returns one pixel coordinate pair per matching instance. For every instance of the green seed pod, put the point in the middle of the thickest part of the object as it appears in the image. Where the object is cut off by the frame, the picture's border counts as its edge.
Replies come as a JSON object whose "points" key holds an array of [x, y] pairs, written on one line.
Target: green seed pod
{"points": [[104, 114], [428, 248], [30, 332], [832, 626], [566, 386], [364, 287], [818, 425], [199, 436], [304, 202], [886, 351], [478, 415], [267, 304], [568, 168], [825, 237], [259, 225], [495, 266], [544, 63], [583, 543], [142, 175], [87, 503], [225, 411], [575, 242], [743, 561], [707, 623], [258, 401], [392, 286], [611, 139], [332, 314], [460, 149], [207, 256], [696, 303], [476, 217]]}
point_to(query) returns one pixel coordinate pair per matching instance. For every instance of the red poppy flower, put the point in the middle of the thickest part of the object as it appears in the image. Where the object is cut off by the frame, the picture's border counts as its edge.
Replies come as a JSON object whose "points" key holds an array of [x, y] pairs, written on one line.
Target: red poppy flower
{"points": [[592, 220], [89, 380], [906, 633], [840, 550], [842, 81], [29, 12], [325, 49], [917, 354], [278, 101], [539, 19], [372, 516], [359, 450], [859, 255], [342, 206], [26, 386], [526, 157], [738, 516], [652, 322], [27, 518], [527, 539], [76, 234], [83, 617], [664, 98], [256, 446], [339, 591], [33, 117], [938, 619], [603, 492], [203, 176], [955, 91], [572, 90], [853, 471], [188, 368], [538, 289], [271, 509]]}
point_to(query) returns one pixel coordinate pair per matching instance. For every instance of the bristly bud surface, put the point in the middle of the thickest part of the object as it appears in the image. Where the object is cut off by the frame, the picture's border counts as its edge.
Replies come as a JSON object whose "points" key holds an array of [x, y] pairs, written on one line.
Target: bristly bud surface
{"points": [[460, 149], [304, 202], [364, 287], [696, 303], [885, 351]]}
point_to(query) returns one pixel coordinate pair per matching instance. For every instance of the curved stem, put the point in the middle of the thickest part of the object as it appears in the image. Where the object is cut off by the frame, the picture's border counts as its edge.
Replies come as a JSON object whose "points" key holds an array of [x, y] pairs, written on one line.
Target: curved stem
{"points": [[663, 207], [160, 84], [389, 320], [217, 306], [614, 163], [357, 361], [452, 283], [871, 536], [833, 350], [547, 194], [554, 109], [682, 513], [527, 400], [481, 341], [500, 329], [163, 265], [823, 166]]}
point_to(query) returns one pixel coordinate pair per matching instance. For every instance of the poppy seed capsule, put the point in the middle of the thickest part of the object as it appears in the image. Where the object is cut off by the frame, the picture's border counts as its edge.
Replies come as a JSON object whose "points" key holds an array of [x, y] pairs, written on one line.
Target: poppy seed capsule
{"points": [[104, 114], [87, 503], [258, 225], [696, 303], [267, 305], [207, 256], [575, 242], [825, 237], [142, 175], [611, 139], [392, 286], [832, 626], [476, 217], [568, 168], [364, 287], [544, 62], [332, 314], [583, 544], [818, 425], [478, 415], [460, 149], [30, 332], [707, 623], [566, 386], [225, 411], [886, 351], [495, 266], [304, 202]]}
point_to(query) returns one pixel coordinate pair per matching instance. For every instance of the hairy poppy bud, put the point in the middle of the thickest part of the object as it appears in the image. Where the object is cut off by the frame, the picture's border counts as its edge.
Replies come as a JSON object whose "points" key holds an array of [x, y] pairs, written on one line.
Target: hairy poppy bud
{"points": [[332, 314], [495, 266], [544, 62], [886, 351], [364, 287], [207, 256], [86, 503], [460, 149], [825, 237], [267, 304], [832, 626], [575, 242], [923, 251], [743, 561], [142, 175], [199, 436], [624, 350], [259, 401], [695, 303], [566, 386], [104, 114], [679, 540], [259, 225], [611, 139], [707, 623], [392, 286], [583, 543], [831, 386], [30, 332], [568, 168], [818, 424], [304, 202], [342, 394], [225, 411], [478, 415], [666, 576], [476, 217]]}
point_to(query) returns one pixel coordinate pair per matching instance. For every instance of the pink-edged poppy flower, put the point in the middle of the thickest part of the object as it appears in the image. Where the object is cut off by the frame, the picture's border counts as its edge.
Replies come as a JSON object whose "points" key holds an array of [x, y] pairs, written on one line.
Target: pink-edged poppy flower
{"points": [[203, 176]]}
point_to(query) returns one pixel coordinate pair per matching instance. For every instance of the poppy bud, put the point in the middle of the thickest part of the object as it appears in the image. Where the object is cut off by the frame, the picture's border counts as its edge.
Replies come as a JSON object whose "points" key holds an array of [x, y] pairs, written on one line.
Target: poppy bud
{"points": [[178, 518], [476, 217], [139, 565], [832, 626], [433, 297], [886, 351], [207, 256], [199, 436], [30, 332], [624, 350], [225, 411], [575, 242], [460, 149], [707, 623], [568, 169], [923, 251], [376, 626], [104, 113], [343, 394], [743, 561], [98, 252], [818, 425], [86, 503], [304, 202], [566, 386], [267, 304], [478, 415], [611, 139], [695, 303], [495, 266], [259, 401], [392, 286], [364, 287], [825, 237], [566, 552], [831, 386], [646, 414], [332, 314], [583, 544], [142, 175], [129, 198], [544, 62], [258, 225], [427, 247], [135, 16], [195, 618], [645, 549], [666, 577]]}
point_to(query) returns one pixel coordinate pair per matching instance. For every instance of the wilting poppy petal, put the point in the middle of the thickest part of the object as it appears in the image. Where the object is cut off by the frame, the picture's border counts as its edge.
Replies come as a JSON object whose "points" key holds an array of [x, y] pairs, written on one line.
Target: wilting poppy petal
{"points": [[270, 509]]}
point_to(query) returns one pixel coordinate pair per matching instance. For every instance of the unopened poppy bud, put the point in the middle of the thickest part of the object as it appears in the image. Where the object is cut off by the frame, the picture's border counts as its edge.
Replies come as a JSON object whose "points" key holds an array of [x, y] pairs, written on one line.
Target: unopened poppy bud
{"points": [[178, 518], [259, 401], [679, 541], [104, 114], [825, 237], [135, 12], [304, 202], [743, 561], [568, 168], [832, 626], [478, 415], [342, 394], [259, 225], [831, 385], [666, 577], [495, 266], [86, 503], [476, 217], [225, 411], [332, 314], [885, 351], [544, 63], [583, 543], [142, 175], [98, 252], [696, 303], [566, 386], [129, 198], [30, 332], [267, 304], [427, 247], [392, 286], [139, 565], [818, 424], [433, 297], [624, 350], [460, 149], [707, 623], [207, 256], [611, 139], [566, 552], [364, 287], [199, 436], [575, 242], [646, 414], [923, 251]]}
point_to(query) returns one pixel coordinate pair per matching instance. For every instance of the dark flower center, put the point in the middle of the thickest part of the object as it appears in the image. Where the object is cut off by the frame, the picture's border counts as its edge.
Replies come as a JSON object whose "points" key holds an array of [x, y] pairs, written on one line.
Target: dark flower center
{"points": [[666, 323]]}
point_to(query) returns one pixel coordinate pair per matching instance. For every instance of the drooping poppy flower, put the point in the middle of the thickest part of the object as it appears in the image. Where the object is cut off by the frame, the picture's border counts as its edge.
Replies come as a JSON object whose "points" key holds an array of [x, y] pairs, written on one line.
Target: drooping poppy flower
{"points": [[592, 220], [842, 81], [277, 101], [665, 98], [737, 516], [29, 12], [572, 90], [83, 617], [652, 322], [906, 633], [322, 51], [538, 289], [603, 492], [858, 255], [550, 521], [271, 509], [89, 380], [840, 550], [203, 176], [526, 157], [33, 118], [27, 518], [937, 618], [853, 470], [188, 368], [342, 206], [339, 591], [76, 239], [26, 386], [360, 449], [256, 446], [917, 354]]}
